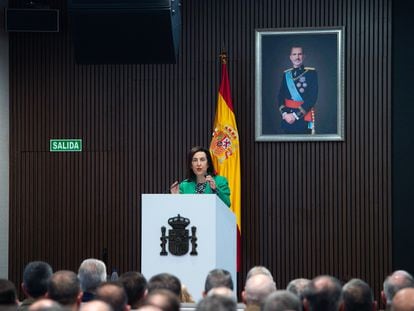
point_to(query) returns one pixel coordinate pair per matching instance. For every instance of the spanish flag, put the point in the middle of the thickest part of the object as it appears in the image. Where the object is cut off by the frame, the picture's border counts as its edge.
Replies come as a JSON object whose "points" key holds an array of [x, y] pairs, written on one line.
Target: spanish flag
{"points": [[225, 150]]}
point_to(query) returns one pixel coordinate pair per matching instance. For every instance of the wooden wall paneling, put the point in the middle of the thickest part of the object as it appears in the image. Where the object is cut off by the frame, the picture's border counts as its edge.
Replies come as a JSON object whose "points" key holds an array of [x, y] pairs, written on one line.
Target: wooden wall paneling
{"points": [[308, 207]]}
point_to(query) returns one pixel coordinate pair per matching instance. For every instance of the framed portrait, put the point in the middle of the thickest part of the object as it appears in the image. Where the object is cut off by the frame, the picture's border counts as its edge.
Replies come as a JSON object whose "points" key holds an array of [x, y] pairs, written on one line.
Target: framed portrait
{"points": [[300, 84]]}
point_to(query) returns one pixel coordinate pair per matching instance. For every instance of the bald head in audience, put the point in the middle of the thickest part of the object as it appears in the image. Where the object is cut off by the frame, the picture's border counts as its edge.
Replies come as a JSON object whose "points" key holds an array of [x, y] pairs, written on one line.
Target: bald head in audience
{"points": [[95, 305], [258, 287], [323, 294], [222, 291], [403, 300], [45, 304], [64, 287], [114, 294]]}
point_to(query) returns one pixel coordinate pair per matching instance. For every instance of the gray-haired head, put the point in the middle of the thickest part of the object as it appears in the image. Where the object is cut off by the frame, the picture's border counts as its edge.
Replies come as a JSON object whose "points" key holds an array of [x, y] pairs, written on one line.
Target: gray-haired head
{"points": [[92, 272], [357, 296], [282, 300], [258, 287], [298, 287], [258, 270], [397, 280]]}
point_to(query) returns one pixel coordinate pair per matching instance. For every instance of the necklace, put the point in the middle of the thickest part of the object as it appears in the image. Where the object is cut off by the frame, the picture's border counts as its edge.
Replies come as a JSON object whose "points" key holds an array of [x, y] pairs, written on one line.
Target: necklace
{"points": [[200, 187]]}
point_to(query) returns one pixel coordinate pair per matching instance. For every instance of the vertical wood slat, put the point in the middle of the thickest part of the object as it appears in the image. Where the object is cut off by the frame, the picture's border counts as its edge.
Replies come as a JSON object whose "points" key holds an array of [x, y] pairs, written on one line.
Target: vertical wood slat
{"points": [[137, 121]]}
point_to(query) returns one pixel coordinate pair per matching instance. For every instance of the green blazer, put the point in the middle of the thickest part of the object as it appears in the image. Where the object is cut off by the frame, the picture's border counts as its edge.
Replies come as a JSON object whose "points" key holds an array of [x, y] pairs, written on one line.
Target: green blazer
{"points": [[222, 188]]}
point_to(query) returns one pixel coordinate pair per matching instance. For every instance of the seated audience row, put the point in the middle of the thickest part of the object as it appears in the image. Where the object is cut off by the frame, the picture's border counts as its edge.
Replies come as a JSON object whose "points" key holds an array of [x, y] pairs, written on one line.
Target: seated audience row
{"points": [[90, 290]]}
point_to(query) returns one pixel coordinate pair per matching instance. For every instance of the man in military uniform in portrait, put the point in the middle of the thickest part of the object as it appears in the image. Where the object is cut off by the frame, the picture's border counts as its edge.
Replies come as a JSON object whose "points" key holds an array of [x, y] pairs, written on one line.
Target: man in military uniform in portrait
{"points": [[297, 96]]}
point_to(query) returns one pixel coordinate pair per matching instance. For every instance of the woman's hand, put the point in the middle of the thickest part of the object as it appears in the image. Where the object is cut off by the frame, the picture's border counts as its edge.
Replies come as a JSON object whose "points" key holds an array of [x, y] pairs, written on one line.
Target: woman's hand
{"points": [[212, 182], [174, 188]]}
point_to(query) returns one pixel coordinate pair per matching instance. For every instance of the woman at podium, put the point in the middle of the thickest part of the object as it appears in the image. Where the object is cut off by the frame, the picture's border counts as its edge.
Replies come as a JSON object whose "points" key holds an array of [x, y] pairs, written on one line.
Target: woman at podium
{"points": [[201, 177]]}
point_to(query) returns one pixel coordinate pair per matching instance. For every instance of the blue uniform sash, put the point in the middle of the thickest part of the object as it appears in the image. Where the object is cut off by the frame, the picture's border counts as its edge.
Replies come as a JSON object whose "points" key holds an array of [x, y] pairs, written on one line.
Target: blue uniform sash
{"points": [[292, 88]]}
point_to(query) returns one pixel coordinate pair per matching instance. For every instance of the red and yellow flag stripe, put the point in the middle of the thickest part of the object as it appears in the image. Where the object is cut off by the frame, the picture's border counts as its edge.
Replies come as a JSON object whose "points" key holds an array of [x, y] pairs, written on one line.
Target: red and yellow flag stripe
{"points": [[225, 148]]}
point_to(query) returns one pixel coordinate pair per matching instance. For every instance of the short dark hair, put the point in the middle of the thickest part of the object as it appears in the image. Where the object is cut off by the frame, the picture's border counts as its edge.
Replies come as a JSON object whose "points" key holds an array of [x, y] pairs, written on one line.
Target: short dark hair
{"points": [[324, 293], [297, 46], [36, 274], [8, 294], [218, 278], [113, 293], [282, 300], [64, 287], [216, 303], [357, 296], [165, 281], [135, 285], [210, 170], [169, 301]]}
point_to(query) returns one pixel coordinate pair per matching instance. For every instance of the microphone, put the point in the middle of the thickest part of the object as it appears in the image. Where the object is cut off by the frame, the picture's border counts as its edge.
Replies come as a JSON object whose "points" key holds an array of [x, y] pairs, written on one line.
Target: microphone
{"points": [[168, 190]]}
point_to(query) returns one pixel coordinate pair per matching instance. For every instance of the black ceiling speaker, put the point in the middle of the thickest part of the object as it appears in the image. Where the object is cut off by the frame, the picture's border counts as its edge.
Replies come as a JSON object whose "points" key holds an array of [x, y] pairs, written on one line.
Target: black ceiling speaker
{"points": [[125, 31]]}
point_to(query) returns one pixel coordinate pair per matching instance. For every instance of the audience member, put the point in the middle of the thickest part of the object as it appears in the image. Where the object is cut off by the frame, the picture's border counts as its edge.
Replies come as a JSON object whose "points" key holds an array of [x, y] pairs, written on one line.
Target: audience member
{"points": [[64, 287], [217, 278], [165, 281], [256, 290], [323, 294], [45, 304], [95, 305], [282, 300], [216, 303], [8, 296], [36, 274], [258, 270], [149, 308], [298, 287], [92, 272], [393, 283], [403, 300], [164, 299], [222, 291], [135, 286], [113, 293], [357, 296]]}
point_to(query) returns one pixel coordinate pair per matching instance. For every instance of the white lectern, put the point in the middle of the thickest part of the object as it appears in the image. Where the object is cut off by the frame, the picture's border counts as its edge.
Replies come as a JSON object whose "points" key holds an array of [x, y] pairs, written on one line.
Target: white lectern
{"points": [[215, 232]]}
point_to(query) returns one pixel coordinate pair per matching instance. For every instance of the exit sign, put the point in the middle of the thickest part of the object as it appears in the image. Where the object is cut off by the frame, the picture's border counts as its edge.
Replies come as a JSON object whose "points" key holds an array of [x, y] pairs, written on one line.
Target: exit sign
{"points": [[65, 145]]}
